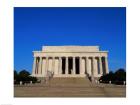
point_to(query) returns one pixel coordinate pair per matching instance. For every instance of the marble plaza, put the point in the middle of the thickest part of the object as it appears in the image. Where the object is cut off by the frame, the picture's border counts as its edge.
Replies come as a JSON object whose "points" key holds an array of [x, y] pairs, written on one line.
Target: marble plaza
{"points": [[70, 61]]}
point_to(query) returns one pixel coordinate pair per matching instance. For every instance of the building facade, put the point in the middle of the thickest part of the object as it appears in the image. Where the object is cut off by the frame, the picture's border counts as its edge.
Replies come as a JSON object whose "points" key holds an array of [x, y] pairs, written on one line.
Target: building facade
{"points": [[70, 61]]}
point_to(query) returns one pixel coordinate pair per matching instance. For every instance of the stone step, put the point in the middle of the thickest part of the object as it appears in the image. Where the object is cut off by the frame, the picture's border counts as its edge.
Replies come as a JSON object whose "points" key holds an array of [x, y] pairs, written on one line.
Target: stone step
{"points": [[70, 82]]}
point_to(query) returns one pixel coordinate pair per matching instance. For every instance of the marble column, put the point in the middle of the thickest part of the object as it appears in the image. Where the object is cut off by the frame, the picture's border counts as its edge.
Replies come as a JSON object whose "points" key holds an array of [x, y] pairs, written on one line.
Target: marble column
{"points": [[37, 68], [46, 66], [81, 70], [93, 66], [106, 65], [66, 69], [53, 65], [90, 66], [40, 66], [60, 66], [100, 64], [73, 65], [34, 66], [94, 70], [87, 65]]}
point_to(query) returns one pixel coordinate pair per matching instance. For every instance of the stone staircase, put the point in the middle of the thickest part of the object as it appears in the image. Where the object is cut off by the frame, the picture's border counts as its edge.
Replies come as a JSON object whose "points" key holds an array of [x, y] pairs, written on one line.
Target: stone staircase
{"points": [[70, 82], [73, 87]]}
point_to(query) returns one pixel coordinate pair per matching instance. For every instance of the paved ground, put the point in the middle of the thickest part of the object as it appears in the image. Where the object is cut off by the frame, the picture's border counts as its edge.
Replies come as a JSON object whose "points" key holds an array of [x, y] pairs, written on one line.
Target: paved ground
{"points": [[70, 88]]}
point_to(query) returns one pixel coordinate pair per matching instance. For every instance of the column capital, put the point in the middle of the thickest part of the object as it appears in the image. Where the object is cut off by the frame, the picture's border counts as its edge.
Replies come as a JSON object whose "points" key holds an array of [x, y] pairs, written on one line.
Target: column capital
{"points": [[103, 56], [53, 57]]}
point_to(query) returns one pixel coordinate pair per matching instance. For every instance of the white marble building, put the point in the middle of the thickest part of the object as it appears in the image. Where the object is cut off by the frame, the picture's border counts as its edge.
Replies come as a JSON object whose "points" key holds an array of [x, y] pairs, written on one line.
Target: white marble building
{"points": [[70, 61]]}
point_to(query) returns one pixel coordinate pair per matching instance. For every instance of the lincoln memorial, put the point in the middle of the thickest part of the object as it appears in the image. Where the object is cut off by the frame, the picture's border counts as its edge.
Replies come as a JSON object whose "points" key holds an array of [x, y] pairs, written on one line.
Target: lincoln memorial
{"points": [[70, 61]]}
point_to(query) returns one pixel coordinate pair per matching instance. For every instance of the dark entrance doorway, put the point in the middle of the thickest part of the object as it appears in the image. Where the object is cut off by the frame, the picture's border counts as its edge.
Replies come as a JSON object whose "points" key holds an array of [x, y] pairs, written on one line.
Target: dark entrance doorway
{"points": [[70, 65], [77, 65], [63, 65]]}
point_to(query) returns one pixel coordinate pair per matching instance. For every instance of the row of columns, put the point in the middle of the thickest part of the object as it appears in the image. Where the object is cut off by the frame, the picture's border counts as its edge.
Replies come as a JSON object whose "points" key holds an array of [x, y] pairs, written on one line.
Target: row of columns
{"points": [[37, 69]]}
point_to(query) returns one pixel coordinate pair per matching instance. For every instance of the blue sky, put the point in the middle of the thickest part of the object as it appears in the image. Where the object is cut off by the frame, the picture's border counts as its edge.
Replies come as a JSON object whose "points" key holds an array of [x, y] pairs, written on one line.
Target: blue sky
{"points": [[35, 27]]}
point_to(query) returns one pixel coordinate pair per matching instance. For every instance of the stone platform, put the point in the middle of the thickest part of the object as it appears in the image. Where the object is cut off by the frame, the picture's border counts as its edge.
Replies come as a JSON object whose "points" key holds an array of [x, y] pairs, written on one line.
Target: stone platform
{"points": [[69, 87]]}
